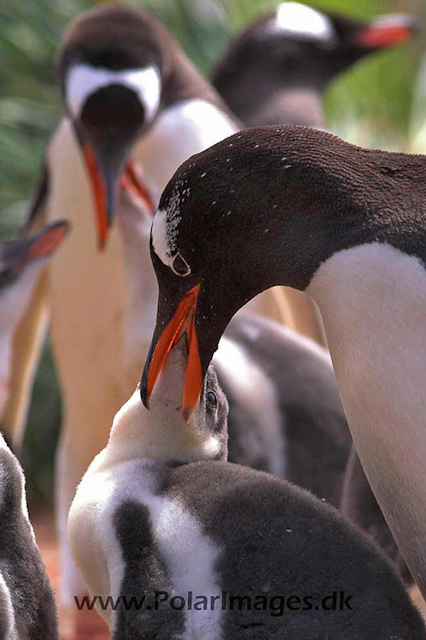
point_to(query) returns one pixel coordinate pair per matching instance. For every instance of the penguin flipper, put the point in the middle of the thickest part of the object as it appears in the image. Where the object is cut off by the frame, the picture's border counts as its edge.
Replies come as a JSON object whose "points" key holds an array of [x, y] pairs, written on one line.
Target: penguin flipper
{"points": [[31, 331]]}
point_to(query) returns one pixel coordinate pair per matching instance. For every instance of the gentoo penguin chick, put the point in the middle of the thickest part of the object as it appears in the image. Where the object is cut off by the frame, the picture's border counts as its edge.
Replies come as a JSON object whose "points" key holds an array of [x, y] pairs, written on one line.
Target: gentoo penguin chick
{"points": [[21, 262], [305, 209], [161, 517], [27, 605], [277, 69]]}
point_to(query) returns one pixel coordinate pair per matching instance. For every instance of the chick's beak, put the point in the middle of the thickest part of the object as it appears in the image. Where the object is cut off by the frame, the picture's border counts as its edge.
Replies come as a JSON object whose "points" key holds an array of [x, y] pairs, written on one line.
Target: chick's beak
{"points": [[182, 320]]}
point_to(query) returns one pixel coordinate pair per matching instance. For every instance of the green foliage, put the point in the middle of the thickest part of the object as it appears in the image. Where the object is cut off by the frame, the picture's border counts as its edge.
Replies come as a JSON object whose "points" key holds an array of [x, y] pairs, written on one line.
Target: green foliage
{"points": [[371, 105]]}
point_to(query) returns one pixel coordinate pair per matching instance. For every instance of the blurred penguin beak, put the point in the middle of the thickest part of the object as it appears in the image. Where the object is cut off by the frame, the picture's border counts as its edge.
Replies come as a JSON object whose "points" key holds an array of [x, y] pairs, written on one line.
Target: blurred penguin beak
{"points": [[46, 241], [387, 31], [106, 177]]}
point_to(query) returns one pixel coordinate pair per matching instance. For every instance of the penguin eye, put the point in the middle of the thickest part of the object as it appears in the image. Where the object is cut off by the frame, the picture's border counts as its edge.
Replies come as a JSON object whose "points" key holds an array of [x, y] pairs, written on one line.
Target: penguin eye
{"points": [[211, 399], [180, 266]]}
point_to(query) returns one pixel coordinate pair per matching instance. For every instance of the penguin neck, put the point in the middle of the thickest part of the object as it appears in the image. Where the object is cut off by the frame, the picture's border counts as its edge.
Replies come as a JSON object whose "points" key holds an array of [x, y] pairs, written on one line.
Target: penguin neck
{"points": [[272, 103], [141, 292], [160, 434], [372, 299], [199, 123]]}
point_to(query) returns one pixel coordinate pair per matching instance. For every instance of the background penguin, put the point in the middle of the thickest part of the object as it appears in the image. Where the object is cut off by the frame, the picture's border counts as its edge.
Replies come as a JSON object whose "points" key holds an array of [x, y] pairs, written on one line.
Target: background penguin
{"points": [[21, 262], [159, 511], [350, 230], [276, 71], [27, 605]]}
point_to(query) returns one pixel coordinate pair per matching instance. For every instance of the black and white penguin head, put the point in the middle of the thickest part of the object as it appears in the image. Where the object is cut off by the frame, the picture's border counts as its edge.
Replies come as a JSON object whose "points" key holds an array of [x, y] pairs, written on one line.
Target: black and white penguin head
{"points": [[302, 46], [265, 207], [21, 261], [110, 68]]}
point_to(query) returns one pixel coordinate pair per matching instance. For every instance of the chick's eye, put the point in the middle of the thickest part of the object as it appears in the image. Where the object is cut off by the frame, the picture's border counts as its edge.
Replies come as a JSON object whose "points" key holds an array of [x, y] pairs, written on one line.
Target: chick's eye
{"points": [[211, 399], [180, 266]]}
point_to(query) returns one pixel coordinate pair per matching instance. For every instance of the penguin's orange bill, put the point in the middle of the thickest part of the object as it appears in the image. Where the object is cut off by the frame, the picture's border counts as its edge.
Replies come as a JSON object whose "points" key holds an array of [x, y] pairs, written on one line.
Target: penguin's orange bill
{"points": [[99, 195], [131, 182], [47, 242], [183, 320], [385, 33]]}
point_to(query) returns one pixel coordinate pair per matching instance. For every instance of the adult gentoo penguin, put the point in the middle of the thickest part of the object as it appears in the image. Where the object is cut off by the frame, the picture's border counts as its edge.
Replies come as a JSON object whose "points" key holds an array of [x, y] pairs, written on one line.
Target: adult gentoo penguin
{"points": [[277, 69], [190, 546], [21, 261], [344, 224], [27, 605], [285, 413]]}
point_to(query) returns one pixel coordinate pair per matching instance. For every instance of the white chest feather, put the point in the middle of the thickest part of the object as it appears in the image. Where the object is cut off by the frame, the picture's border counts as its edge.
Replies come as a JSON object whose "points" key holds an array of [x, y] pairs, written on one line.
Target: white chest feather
{"points": [[373, 302], [180, 131], [87, 287]]}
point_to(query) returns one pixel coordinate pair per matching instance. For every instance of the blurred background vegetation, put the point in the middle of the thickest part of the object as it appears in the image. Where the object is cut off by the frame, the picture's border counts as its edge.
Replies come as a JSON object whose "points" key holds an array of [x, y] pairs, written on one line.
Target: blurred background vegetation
{"points": [[379, 103]]}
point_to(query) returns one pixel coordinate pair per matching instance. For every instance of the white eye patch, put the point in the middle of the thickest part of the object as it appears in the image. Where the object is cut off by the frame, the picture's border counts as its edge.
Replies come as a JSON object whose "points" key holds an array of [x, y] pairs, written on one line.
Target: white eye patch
{"points": [[161, 238], [164, 229], [83, 80], [299, 20]]}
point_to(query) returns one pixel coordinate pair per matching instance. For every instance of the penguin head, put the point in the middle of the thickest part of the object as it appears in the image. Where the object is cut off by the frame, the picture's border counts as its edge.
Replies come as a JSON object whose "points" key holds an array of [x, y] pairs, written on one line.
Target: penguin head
{"points": [[299, 46], [110, 69]]}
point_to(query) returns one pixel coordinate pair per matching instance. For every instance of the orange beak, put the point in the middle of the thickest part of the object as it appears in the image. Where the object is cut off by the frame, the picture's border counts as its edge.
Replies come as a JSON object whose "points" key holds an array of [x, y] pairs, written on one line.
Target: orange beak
{"points": [[130, 181], [99, 190], [182, 320], [104, 189], [386, 32], [47, 241]]}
